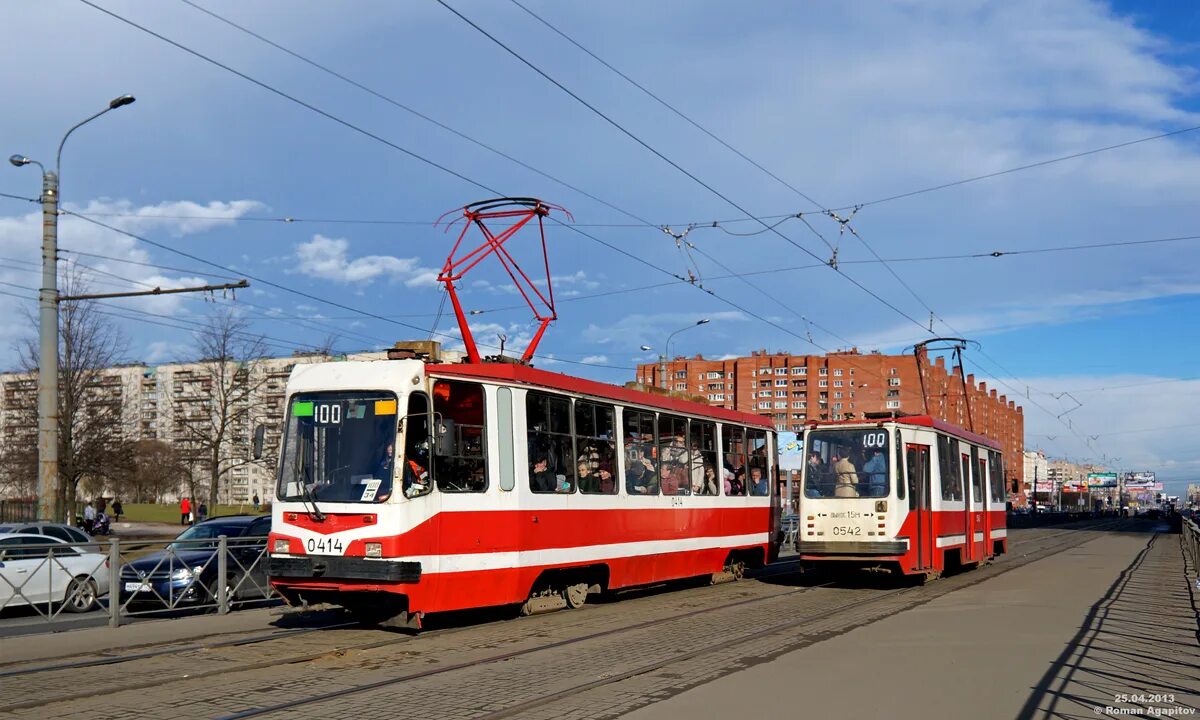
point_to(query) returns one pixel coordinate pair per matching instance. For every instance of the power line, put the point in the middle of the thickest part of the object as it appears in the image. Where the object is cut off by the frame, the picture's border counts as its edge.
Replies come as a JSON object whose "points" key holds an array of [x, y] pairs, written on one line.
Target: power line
{"points": [[665, 104], [1020, 168], [146, 264], [396, 103], [660, 155], [18, 197], [766, 228]]}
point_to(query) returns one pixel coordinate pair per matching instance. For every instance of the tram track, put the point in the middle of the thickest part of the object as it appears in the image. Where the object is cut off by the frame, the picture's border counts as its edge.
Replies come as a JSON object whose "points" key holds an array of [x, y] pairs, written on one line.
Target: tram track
{"points": [[722, 644], [339, 651]]}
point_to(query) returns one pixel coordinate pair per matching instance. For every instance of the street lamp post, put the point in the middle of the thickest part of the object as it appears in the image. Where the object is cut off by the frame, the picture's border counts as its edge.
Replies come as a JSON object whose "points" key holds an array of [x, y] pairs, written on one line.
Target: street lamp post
{"points": [[662, 359], [48, 479]]}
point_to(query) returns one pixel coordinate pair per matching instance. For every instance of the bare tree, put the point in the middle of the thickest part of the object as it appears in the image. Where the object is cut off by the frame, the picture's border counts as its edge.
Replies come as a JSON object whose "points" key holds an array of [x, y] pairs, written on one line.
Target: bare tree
{"points": [[91, 431], [212, 403], [154, 470]]}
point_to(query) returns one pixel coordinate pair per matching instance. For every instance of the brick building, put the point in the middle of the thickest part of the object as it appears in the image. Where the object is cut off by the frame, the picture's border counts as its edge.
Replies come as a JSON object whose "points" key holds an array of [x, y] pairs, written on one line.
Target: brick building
{"points": [[795, 389]]}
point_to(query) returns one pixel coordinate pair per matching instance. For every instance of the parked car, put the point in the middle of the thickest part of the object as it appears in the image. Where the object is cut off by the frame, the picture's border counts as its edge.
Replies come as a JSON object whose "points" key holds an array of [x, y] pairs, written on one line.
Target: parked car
{"points": [[38, 569], [185, 572], [66, 533]]}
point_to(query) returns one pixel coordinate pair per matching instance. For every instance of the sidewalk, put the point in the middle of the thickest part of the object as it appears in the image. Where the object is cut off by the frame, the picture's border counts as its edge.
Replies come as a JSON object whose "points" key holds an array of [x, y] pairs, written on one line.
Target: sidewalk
{"points": [[1059, 638]]}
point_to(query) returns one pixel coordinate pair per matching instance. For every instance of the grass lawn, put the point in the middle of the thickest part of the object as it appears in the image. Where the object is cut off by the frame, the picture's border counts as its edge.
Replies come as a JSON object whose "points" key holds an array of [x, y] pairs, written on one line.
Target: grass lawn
{"points": [[148, 512]]}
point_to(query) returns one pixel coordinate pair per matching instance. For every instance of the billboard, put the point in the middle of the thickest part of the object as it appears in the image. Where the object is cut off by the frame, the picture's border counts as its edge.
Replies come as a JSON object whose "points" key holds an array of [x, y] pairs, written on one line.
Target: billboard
{"points": [[1139, 481], [1101, 480]]}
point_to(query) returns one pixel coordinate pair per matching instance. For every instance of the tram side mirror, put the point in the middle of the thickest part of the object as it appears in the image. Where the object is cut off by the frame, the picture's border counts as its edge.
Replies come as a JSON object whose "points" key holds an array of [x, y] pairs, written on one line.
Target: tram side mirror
{"points": [[260, 435]]}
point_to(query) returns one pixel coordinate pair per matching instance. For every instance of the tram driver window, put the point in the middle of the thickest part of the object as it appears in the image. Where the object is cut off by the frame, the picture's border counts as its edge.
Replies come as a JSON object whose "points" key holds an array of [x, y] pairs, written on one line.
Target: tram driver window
{"points": [[641, 455], [417, 468], [847, 464], [460, 444], [552, 465]]}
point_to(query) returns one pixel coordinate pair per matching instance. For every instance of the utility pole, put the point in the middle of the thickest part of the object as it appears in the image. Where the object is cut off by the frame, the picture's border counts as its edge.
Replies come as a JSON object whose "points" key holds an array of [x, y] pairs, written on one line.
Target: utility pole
{"points": [[49, 488], [48, 480]]}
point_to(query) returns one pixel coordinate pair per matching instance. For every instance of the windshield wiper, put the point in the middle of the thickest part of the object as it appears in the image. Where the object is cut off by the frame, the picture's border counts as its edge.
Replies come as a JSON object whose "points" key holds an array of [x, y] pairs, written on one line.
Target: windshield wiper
{"points": [[307, 495]]}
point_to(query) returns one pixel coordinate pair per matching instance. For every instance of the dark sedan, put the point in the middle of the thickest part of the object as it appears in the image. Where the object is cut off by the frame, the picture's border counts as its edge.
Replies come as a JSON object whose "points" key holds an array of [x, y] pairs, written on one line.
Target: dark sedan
{"points": [[185, 572]]}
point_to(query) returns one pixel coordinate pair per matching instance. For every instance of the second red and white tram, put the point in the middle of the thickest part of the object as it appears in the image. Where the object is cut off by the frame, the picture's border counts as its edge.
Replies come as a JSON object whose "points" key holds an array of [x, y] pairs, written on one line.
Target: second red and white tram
{"points": [[910, 494], [408, 487]]}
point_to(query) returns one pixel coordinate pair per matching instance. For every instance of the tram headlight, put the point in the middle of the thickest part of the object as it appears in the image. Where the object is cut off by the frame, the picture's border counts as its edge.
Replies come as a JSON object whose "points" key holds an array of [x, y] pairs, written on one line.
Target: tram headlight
{"points": [[281, 546], [374, 550]]}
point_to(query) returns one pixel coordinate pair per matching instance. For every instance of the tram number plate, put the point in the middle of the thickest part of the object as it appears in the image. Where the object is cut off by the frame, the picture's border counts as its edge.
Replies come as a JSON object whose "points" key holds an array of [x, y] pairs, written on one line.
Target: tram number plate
{"points": [[846, 530], [324, 546]]}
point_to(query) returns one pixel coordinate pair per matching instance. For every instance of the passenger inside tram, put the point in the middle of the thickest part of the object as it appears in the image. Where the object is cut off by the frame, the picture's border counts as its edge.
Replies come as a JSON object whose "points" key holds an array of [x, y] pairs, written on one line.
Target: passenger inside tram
{"points": [[675, 467], [845, 478], [641, 476]]}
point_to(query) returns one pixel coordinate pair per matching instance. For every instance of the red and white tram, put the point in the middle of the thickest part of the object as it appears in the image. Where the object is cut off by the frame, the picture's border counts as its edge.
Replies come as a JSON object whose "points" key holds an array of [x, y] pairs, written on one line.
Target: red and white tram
{"points": [[408, 487], [913, 494]]}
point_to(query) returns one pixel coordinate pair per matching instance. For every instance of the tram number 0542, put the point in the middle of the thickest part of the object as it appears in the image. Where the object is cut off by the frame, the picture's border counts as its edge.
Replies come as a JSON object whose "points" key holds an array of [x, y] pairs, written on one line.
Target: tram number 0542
{"points": [[324, 546], [845, 530]]}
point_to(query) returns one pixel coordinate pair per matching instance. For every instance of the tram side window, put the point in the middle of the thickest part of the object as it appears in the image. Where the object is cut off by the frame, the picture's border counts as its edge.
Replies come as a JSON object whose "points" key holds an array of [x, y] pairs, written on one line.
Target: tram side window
{"points": [[703, 440], [966, 469], [996, 471], [640, 468], [760, 466], [733, 447], [460, 447], [597, 447], [551, 444], [900, 484], [674, 455], [951, 480]]}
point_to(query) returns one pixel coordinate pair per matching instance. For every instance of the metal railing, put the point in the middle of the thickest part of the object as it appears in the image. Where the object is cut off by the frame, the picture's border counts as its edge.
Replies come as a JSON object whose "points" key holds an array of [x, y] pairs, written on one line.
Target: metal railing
{"points": [[16, 511], [133, 578], [1190, 537]]}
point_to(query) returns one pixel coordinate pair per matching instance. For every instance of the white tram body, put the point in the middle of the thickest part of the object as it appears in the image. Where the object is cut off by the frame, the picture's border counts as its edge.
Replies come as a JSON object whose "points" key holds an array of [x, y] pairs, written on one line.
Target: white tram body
{"points": [[406, 487], [912, 493]]}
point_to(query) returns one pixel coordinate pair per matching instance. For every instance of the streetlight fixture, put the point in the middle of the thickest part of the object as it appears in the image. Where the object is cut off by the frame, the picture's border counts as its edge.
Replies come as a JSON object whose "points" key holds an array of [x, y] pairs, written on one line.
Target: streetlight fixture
{"points": [[667, 349], [48, 480]]}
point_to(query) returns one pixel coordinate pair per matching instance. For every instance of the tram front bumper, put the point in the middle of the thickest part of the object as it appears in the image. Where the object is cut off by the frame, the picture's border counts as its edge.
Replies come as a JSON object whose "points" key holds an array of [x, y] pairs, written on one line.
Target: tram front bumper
{"points": [[823, 547], [336, 567]]}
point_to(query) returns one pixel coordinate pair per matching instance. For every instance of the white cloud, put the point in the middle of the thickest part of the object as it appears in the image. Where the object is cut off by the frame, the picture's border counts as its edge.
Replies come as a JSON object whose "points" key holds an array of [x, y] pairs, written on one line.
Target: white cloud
{"points": [[595, 359], [327, 258], [20, 246], [1143, 421]]}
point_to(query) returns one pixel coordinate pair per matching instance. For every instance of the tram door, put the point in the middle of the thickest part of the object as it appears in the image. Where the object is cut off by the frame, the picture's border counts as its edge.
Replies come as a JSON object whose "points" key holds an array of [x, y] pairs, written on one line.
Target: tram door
{"points": [[970, 499], [917, 460], [985, 544]]}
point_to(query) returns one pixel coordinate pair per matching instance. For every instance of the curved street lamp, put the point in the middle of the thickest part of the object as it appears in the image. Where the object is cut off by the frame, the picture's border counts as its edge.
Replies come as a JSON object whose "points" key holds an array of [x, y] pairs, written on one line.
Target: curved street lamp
{"points": [[662, 359], [48, 481]]}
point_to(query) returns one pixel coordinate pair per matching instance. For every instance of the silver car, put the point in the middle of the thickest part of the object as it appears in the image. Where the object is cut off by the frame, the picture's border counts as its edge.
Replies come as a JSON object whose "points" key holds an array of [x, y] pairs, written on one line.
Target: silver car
{"points": [[66, 533]]}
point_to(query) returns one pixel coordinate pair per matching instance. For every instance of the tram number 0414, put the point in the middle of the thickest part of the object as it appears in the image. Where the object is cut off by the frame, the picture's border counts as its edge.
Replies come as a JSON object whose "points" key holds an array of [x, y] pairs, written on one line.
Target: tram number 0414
{"points": [[324, 546], [846, 530]]}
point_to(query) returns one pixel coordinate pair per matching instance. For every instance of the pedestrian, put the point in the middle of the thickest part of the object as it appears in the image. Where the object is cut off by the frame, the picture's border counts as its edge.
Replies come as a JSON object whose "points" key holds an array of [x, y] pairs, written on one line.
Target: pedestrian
{"points": [[185, 511], [202, 513], [255, 502], [89, 517], [116, 508]]}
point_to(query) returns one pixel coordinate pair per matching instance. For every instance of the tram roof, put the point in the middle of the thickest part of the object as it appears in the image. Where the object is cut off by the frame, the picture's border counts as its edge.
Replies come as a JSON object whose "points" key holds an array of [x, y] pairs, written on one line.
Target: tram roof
{"points": [[928, 421], [525, 375]]}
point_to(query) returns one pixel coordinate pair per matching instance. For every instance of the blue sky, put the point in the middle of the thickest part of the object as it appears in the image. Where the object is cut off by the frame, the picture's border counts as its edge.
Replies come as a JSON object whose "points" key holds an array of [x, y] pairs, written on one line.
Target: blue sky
{"points": [[847, 102]]}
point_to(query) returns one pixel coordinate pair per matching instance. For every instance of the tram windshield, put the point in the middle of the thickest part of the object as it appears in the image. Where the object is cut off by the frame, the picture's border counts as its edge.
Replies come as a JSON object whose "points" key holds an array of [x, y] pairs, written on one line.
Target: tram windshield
{"points": [[339, 446], [847, 464]]}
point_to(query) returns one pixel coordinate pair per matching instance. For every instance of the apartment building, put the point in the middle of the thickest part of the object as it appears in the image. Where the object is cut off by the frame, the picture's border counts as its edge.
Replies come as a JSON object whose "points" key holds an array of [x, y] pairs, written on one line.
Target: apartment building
{"points": [[160, 402], [792, 390]]}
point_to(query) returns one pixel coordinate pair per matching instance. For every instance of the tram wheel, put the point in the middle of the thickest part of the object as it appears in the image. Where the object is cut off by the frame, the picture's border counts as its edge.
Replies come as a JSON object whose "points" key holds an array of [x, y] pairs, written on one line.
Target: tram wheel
{"points": [[576, 595]]}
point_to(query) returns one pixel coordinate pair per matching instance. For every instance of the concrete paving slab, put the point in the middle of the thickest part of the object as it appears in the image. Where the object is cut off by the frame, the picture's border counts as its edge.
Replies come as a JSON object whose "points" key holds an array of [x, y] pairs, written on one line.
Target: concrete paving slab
{"points": [[980, 652]]}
